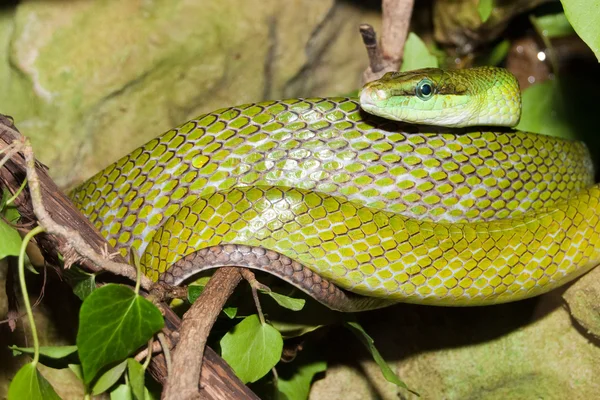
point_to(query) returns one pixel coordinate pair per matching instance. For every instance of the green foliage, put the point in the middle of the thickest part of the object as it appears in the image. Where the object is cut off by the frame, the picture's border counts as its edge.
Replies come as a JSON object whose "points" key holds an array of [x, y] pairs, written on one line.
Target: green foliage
{"points": [[484, 8], [193, 292], [76, 369], [51, 356], [554, 25], [83, 283], [10, 241], [297, 385], [252, 348], [8, 234], [291, 329], [496, 55], [417, 55], [369, 343], [109, 378], [55, 352], [543, 111], [113, 322], [135, 373], [231, 312], [584, 16], [285, 301], [30, 384], [121, 392]]}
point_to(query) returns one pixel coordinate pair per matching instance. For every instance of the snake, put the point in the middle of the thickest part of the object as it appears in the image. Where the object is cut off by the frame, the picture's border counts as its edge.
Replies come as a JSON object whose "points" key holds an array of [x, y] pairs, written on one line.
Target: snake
{"points": [[419, 190]]}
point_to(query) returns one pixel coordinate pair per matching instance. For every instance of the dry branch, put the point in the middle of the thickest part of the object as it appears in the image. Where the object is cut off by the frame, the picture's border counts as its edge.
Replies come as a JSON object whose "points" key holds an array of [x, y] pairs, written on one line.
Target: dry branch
{"points": [[196, 326], [387, 56]]}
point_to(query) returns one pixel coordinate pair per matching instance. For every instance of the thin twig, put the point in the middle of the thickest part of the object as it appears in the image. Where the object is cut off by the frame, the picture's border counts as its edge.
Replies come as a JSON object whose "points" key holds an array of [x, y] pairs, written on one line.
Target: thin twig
{"points": [[13, 149], [255, 285], [395, 26], [153, 345], [388, 55], [76, 247], [195, 328], [165, 345], [369, 38], [149, 358]]}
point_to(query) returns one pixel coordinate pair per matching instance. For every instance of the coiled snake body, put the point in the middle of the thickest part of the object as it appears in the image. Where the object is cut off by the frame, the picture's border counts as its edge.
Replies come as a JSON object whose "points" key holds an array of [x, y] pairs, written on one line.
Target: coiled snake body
{"points": [[328, 196]]}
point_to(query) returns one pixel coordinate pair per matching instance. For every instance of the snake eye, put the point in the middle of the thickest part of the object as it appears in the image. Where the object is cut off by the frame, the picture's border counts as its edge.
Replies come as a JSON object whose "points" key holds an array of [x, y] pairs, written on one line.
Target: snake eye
{"points": [[424, 89]]}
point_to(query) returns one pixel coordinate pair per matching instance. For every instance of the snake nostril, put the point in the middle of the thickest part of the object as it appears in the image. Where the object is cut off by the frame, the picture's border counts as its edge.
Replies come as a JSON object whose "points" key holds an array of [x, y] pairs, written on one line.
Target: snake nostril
{"points": [[373, 93], [379, 95]]}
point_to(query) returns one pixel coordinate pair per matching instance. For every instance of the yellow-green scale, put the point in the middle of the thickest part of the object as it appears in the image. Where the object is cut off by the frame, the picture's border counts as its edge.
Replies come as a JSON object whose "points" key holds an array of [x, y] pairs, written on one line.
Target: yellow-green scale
{"points": [[376, 206]]}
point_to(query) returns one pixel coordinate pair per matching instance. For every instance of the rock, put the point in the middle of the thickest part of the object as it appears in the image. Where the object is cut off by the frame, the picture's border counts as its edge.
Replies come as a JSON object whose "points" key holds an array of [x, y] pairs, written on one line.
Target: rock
{"points": [[523, 350], [91, 81]]}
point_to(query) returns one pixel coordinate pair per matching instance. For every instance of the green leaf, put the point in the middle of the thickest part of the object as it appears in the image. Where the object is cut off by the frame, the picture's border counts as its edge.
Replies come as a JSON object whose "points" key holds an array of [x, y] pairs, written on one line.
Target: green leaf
{"points": [[297, 386], [136, 373], [10, 241], [369, 343], [47, 351], [584, 16], [76, 368], [231, 312], [496, 55], [543, 111], [121, 392], [287, 302], [109, 378], [554, 25], [484, 8], [51, 356], [290, 330], [28, 383], [417, 55], [113, 322], [83, 283], [312, 317], [193, 292], [252, 348], [12, 214], [149, 395]]}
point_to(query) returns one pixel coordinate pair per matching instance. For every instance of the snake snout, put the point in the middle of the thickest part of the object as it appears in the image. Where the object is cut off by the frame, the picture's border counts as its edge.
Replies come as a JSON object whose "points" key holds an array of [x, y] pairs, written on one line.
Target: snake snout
{"points": [[371, 94]]}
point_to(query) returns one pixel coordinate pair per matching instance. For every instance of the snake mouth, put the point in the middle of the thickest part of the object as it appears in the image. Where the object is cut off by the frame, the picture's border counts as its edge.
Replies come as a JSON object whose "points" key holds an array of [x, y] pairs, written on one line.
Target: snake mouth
{"points": [[373, 101]]}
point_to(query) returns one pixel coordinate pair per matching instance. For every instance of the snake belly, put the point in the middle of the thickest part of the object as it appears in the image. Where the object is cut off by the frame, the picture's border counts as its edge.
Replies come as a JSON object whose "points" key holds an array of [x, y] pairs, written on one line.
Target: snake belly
{"points": [[376, 207]]}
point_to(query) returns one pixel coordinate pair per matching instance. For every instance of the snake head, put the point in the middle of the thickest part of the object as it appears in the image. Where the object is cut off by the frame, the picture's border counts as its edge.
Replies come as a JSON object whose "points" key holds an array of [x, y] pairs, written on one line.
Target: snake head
{"points": [[484, 96]]}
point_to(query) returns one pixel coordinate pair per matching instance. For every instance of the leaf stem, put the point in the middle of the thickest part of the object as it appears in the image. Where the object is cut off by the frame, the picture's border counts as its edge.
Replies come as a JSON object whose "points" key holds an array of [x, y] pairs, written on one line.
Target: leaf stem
{"points": [[138, 278], [255, 285], [149, 356], [36, 343], [18, 192], [166, 350]]}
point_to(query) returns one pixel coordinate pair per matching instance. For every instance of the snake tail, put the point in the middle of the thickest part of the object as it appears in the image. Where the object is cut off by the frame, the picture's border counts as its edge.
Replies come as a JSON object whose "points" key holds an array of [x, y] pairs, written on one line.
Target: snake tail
{"points": [[279, 265]]}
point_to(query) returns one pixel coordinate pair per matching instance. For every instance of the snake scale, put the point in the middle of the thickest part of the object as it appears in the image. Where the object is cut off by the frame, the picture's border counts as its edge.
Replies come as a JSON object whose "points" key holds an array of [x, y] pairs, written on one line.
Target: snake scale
{"points": [[359, 210]]}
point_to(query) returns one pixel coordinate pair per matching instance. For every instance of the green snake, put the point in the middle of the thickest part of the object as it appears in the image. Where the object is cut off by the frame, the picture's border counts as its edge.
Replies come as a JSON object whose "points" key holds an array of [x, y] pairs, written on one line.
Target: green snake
{"points": [[359, 210]]}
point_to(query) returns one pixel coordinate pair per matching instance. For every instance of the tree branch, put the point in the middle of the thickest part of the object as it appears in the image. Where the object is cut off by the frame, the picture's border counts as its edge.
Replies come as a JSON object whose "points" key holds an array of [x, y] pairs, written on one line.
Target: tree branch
{"points": [[196, 326], [388, 55]]}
